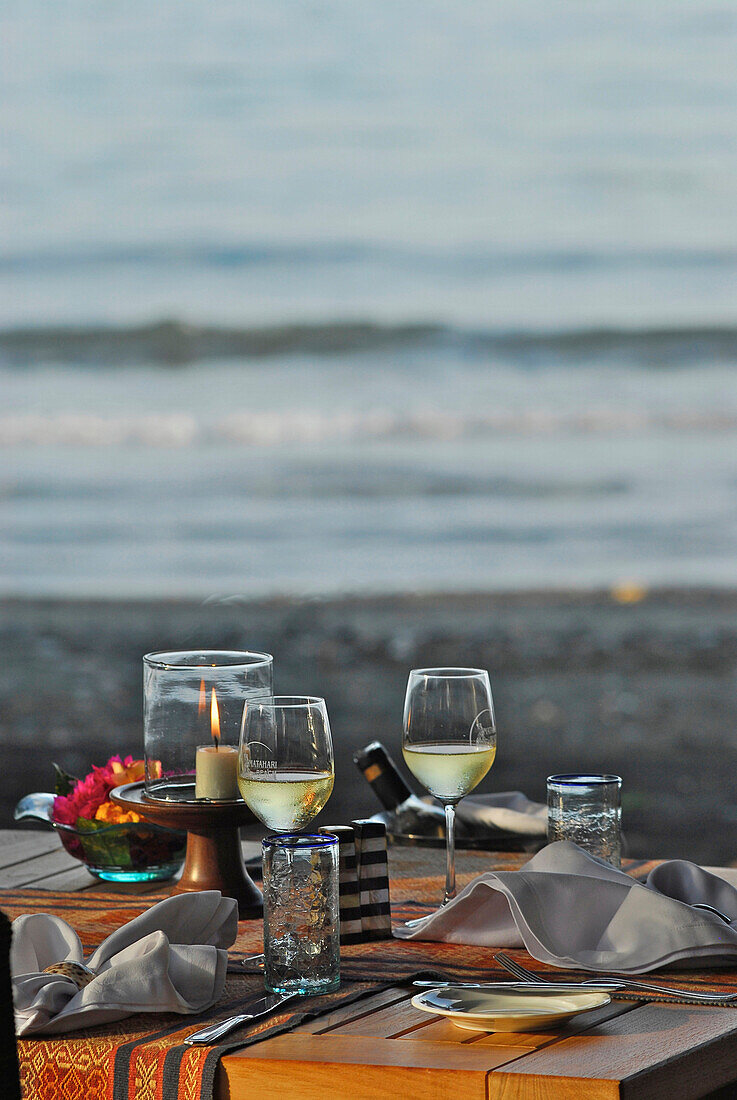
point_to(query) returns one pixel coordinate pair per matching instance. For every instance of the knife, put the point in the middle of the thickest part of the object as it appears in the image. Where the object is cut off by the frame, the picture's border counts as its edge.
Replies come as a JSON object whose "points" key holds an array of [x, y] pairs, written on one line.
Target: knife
{"points": [[261, 1007], [532, 988]]}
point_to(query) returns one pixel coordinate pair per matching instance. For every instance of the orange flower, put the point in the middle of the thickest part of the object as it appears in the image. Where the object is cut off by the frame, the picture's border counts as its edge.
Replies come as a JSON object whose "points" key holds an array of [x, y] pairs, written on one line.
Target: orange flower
{"points": [[115, 815], [131, 771]]}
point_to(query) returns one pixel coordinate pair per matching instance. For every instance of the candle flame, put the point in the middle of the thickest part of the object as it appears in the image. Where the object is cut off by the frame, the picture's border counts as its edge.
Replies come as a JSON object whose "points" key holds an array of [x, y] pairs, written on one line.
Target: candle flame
{"points": [[203, 698], [215, 719]]}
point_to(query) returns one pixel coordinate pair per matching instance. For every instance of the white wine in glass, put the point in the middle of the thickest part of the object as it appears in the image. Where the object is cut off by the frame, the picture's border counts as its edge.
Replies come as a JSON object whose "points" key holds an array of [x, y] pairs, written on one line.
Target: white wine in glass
{"points": [[449, 771], [286, 800], [285, 761], [449, 740]]}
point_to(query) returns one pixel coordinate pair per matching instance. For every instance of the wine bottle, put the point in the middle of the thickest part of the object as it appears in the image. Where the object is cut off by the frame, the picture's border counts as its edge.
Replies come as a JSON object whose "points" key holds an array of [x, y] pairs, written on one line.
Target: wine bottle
{"points": [[381, 773], [407, 815]]}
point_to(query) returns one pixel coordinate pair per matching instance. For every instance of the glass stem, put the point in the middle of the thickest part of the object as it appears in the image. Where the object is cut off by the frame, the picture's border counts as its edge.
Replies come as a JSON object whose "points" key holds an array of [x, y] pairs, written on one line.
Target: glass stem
{"points": [[450, 852]]}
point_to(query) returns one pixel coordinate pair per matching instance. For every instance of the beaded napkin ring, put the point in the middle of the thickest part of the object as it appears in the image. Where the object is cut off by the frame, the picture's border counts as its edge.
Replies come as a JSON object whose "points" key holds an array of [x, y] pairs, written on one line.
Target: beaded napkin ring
{"points": [[78, 973]]}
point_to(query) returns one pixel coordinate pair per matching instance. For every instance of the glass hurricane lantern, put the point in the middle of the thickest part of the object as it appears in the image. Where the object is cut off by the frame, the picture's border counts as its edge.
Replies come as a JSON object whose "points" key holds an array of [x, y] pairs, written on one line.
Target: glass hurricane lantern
{"points": [[193, 703]]}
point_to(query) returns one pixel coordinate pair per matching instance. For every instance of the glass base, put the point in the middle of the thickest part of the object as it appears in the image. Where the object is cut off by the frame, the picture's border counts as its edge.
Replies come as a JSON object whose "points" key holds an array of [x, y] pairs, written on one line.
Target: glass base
{"points": [[184, 791], [150, 874], [304, 986]]}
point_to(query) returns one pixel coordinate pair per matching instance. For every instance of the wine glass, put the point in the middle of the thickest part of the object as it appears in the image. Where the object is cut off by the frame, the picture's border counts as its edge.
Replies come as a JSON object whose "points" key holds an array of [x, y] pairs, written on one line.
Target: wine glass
{"points": [[285, 759], [449, 740]]}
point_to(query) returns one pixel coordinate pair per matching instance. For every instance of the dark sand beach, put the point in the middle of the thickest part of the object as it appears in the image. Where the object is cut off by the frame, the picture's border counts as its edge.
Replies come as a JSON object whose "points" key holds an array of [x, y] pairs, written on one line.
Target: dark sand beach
{"points": [[647, 689]]}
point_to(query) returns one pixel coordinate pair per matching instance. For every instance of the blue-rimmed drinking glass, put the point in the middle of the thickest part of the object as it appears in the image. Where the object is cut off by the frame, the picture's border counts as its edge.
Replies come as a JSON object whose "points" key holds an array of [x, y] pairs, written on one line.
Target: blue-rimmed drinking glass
{"points": [[586, 809], [301, 914]]}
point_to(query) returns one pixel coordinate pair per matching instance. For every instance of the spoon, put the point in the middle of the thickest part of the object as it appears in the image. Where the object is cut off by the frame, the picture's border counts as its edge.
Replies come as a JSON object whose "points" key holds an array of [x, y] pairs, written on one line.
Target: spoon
{"points": [[710, 909]]}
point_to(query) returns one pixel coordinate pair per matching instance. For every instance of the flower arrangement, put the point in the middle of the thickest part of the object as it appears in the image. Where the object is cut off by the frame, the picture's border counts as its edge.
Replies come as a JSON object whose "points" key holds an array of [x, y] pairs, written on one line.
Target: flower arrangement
{"points": [[88, 799], [114, 843]]}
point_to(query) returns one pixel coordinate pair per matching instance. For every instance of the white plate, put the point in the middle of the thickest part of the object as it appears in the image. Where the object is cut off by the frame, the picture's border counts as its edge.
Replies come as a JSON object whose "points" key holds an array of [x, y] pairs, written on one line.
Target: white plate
{"points": [[507, 1010]]}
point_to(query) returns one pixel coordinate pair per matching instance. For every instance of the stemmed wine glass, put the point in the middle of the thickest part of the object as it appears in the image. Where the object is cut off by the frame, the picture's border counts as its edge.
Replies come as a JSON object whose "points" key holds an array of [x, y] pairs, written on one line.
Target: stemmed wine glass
{"points": [[285, 759], [449, 740]]}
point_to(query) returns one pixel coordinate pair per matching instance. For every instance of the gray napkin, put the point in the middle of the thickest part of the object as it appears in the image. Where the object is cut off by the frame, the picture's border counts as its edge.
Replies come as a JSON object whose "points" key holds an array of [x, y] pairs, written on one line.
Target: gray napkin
{"points": [[172, 958], [510, 811], [570, 910]]}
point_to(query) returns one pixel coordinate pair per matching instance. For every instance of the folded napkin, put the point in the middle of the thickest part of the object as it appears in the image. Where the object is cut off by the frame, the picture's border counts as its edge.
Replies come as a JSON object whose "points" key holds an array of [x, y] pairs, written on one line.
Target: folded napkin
{"points": [[573, 911], [172, 958], [510, 811]]}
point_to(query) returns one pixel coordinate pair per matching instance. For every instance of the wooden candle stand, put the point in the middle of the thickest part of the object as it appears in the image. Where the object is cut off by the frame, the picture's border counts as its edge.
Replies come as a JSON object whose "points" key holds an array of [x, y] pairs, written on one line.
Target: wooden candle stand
{"points": [[214, 859]]}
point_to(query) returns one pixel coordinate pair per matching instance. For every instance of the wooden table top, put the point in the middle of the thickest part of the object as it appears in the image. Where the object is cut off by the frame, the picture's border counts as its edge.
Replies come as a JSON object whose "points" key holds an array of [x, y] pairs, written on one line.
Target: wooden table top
{"points": [[381, 1045]]}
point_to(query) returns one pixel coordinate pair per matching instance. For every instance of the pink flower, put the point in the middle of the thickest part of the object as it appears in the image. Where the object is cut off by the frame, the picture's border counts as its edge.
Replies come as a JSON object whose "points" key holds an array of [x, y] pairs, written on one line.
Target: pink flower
{"points": [[90, 793], [65, 811]]}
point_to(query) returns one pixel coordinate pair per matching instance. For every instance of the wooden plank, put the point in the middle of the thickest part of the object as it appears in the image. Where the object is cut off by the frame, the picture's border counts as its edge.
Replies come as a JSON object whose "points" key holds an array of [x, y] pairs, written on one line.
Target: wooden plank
{"points": [[22, 844], [354, 1011], [347, 1067], [21, 866], [585, 1022], [73, 878], [251, 850], [547, 1088], [388, 1022], [34, 870], [441, 1030], [655, 1050]]}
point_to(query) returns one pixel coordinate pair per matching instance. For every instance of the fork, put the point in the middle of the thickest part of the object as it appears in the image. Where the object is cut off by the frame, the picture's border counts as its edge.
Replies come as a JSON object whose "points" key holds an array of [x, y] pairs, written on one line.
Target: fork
{"points": [[240, 966], [618, 984]]}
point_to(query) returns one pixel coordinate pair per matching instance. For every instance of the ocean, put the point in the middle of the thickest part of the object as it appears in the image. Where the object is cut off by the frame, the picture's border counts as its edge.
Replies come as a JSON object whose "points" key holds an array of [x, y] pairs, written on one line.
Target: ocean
{"points": [[325, 298]]}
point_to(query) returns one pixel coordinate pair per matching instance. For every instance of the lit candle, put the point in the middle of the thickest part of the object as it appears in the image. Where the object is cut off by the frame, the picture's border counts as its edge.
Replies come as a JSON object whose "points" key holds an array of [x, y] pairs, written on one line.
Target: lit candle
{"points": [[216, 765]]}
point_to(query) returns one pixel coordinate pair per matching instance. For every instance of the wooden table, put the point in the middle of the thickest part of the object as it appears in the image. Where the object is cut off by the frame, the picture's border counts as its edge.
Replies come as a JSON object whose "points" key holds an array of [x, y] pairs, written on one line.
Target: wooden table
{"points": [[380, 1046]]}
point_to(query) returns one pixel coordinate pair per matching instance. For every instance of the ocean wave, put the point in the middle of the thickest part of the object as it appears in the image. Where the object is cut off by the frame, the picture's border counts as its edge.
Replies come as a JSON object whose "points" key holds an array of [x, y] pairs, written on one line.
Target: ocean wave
{"points": [[458, 260], [294, 427], [172, 343]]}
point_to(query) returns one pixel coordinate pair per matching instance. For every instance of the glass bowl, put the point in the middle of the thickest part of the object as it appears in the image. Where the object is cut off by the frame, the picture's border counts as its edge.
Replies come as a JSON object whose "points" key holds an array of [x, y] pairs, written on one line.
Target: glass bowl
{"points": [[134, 851]]}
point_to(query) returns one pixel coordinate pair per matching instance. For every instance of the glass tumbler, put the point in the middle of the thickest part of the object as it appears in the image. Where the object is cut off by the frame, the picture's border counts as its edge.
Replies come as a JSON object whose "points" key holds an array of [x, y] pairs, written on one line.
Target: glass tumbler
{"points": [[301, 915], [587, 810]]}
